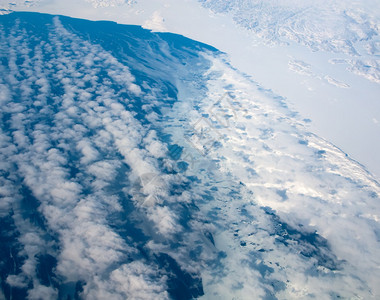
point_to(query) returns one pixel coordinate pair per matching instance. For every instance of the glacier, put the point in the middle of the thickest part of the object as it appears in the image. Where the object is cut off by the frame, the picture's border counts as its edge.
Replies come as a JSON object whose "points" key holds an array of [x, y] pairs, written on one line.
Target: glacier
{"points": [[143, 165]]}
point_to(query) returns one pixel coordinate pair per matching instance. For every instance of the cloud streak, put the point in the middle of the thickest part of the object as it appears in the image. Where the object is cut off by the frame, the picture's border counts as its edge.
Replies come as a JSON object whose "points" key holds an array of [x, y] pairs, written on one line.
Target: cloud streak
{"points": [[108, 195]]}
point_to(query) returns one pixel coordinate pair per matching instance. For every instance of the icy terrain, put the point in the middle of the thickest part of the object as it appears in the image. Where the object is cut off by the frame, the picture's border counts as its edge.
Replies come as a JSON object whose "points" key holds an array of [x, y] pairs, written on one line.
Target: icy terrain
{"points": [[321, 56], [142, 165], [326, 46]]}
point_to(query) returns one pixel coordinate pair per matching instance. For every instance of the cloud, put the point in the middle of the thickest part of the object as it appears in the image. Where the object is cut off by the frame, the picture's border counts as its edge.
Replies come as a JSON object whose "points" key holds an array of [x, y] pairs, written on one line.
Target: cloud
{"points": [[42, 292], [134, 280], [108, 3], [4, 94], [325, 191], [155, 23], [88, 151], [154, 146], [165, 220], [71, 154], [271, 210]]}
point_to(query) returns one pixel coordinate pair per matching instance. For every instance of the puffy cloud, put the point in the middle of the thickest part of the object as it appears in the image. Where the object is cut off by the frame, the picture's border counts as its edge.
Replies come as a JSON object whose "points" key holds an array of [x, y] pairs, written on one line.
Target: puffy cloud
{"points": [[154, 146], [4, 94], [17, 281], [311, 186], [134, 280], [42, 292], [156, 22], [265, 212], [69, 155], [88, 151], [165, 220]]}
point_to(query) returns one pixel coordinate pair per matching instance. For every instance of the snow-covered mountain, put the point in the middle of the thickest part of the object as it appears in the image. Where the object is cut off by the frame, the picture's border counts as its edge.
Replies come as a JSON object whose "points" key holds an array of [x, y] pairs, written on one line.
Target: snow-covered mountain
{"points": [[141, 165], [350, 28]]}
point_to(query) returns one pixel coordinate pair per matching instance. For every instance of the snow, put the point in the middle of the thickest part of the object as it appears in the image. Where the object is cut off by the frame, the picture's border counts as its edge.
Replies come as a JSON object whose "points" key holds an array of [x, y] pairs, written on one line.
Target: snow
{"points": [[263, 37], [138, 161]]}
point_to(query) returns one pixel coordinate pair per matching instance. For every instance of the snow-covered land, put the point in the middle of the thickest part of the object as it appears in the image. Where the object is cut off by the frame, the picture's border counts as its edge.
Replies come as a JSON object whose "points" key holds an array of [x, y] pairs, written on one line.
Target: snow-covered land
{"points": [[142, 165], [322, 56]]}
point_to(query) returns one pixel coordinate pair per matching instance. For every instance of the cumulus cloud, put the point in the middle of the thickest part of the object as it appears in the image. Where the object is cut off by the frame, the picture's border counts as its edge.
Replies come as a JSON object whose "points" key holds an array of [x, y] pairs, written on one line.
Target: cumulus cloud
{"points": [[156, 22], [154, 146], [134, 280], [69, 155], [107, 3], [308, 182], [264, 212], [4, 94], [42, 292]]}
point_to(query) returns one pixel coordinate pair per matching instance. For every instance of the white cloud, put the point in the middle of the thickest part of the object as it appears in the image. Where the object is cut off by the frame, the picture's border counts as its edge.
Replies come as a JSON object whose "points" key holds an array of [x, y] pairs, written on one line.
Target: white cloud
{"points": [[88, 151], [4, 94], [134, 280], [107, 3], [77, 162], [70, 172], [42, 292], [17, 281], [271, 153], [165, 220], [156, 22], [154, 146]]}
